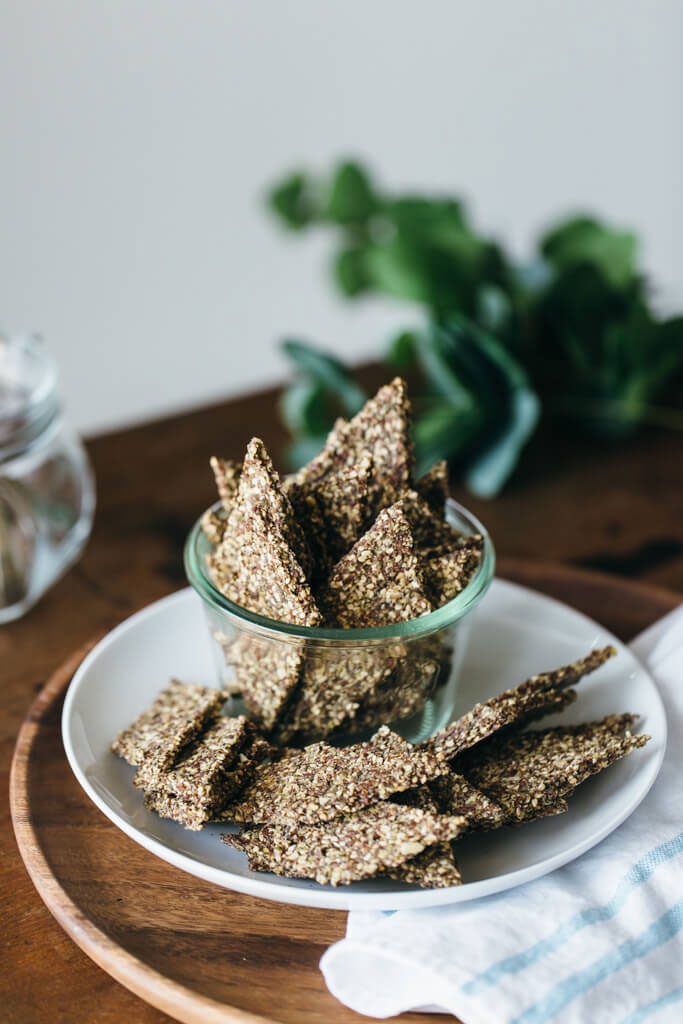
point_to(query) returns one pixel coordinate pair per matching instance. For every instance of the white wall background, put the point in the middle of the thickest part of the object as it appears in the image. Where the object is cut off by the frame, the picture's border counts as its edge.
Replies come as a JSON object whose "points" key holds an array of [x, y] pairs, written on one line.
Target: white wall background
{"points": [[137, 137]]}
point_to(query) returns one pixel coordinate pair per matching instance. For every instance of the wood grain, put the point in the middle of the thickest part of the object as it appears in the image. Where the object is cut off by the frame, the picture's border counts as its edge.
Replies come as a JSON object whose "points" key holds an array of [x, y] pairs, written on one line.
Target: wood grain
{"points": [[619, 509], [195, 951]]}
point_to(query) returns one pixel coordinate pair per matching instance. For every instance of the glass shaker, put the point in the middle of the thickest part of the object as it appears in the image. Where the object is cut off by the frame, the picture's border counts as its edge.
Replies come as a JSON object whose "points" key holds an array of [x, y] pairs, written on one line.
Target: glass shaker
{"points": [[47, 492]]}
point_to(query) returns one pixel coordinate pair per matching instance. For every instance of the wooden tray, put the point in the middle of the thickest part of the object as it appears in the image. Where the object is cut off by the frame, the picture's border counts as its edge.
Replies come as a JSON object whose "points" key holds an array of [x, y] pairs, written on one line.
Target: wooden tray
{"points": [[195, 951]]}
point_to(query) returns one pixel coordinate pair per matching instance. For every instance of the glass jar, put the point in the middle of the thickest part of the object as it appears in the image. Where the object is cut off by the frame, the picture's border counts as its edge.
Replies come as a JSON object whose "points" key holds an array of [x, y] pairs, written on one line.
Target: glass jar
{"points": [[47, 494], [406, 674]]}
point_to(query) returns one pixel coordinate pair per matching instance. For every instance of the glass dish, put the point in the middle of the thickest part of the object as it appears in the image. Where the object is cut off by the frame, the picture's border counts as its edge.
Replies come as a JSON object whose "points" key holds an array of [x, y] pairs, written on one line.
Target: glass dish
{"points": [[410, 669]]}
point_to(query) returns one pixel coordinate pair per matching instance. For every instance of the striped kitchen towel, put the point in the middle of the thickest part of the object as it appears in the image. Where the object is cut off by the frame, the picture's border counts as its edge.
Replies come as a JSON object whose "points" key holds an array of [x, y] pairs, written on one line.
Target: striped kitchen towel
{"points": [[600, 940]]}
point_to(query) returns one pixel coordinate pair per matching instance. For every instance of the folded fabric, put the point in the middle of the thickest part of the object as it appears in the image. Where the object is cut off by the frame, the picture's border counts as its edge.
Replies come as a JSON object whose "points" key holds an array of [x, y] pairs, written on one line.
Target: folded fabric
{"points": [[600, 940]]}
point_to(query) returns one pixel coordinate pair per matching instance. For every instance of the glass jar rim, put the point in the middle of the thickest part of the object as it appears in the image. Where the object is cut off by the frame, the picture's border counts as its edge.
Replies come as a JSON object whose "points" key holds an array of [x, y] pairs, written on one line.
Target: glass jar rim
{"points": [[447, 615]]}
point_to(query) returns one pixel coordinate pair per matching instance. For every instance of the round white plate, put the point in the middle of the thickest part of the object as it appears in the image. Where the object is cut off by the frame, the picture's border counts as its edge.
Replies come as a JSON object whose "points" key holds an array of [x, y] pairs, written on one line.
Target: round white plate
{"points": [[517, 632]]}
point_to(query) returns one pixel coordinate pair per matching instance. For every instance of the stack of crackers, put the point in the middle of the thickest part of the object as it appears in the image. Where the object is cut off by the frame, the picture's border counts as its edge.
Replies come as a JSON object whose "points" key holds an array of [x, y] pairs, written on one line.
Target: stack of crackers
{"points": [[383, 807], [351, 541]]}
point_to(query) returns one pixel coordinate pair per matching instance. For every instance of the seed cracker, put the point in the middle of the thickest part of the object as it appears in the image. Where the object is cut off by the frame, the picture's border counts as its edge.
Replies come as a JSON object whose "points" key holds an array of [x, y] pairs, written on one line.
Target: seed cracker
{"points": [[257, 565], [447, 574], [344, 501], [379, 581], [334, 684], [200, 782], [261, 495], [454, 794], [495, 715], [213, 526], [323, 782], [177, 715], [436, 867], [382, 430], [432, 534], [358, 846], [433, 486], [227, 476], [530, 771], [309, 515], [404, 692], [267, 673], [542, 694]]}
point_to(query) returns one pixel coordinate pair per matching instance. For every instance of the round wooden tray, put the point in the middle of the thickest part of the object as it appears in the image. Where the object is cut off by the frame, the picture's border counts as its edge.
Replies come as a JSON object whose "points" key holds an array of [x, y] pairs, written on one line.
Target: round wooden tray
{"points": [[195, 951]]}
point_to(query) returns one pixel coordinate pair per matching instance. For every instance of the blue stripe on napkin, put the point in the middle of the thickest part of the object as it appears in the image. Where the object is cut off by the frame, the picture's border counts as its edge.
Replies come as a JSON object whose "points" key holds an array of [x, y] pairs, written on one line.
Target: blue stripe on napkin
{"points": [[640, 872], [659, 932], [657, 1004]]}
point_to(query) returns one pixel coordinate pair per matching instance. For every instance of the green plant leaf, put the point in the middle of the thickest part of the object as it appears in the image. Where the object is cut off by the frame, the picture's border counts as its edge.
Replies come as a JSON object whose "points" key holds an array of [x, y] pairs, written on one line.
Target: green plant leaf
{"points": [[350, 271], [491, 469], [573, 324], [350, 198], [585, 240], [292, 201], [442, 431], [401, 351], [490, 392], [303, 449], [328, 372], [305, 408], [442, 221]]}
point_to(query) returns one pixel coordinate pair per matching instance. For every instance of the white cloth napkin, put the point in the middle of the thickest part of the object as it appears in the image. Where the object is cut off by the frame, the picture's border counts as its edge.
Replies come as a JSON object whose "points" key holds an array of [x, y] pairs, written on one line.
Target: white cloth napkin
{"points": [[600, 940]]}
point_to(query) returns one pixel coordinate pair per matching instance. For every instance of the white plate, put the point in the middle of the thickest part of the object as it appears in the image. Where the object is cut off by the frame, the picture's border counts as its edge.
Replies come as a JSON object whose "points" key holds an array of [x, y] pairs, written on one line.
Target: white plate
{"points": [[517, 632]]}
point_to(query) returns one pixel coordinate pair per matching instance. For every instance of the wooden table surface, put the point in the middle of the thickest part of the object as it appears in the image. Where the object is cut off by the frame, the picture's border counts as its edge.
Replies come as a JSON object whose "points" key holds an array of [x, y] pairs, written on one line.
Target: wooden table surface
{"points": [[617, 510]]}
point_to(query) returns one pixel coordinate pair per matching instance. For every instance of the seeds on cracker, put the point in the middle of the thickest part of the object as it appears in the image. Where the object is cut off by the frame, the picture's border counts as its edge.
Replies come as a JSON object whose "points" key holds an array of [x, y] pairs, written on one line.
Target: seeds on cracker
{"points": [[432, 534], [447, 573], [381, 430], [485, 720], [213, 526], [333, 510], [433, 486], [197, 786], [258, 564], [454, 794], [227, 476], [333, 687], [379, 581], [266, 673], [262, 498], [323, 782], [436, 867], [542, 694], [531, 771], [361, 845], [404, 692], [177, 715]]}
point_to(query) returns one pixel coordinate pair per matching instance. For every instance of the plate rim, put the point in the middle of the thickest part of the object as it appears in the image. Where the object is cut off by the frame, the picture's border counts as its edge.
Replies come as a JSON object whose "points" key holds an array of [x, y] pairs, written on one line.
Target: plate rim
{"points": [[306, 893]]}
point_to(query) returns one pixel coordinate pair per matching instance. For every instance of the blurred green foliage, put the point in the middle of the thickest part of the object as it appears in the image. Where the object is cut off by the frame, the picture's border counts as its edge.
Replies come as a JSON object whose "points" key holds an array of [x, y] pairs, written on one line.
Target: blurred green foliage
{"points": [[571, 335]]}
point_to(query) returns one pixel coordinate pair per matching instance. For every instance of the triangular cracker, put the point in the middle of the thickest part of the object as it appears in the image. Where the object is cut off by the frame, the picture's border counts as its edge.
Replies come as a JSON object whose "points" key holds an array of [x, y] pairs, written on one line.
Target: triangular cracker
{"points": [[267, 673], [433, 486], [529, 772], [379, 581], [323, 782], [177, 715], [358, 846], [381, 430], [226, 473], [258, 564], [333, 685], [199, 783], [541, 694]]}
